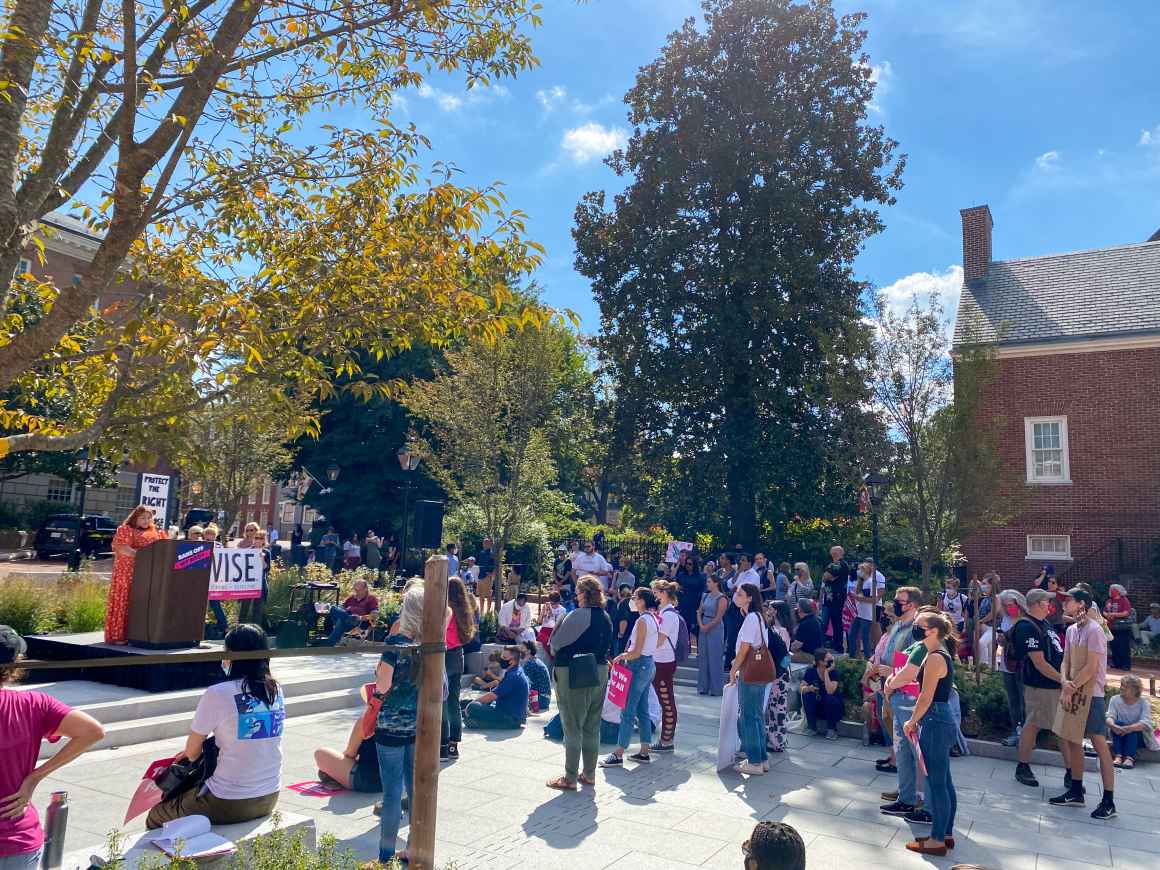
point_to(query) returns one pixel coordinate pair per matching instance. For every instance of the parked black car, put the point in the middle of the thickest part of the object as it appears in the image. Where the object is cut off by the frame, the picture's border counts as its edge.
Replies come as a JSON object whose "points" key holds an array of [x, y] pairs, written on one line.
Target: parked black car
{"points": [[198, 517], [58, 534]]}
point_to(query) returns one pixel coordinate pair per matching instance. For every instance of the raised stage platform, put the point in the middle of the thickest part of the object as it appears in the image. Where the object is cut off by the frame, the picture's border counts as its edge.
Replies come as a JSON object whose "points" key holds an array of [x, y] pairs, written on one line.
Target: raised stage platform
{"points": [[148, 678]]}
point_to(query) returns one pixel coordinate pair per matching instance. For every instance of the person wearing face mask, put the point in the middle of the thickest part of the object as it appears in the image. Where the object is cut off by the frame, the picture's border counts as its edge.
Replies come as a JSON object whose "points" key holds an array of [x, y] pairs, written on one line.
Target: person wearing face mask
{"points": [[1012, 605], [901, 693], [821, 696], [984, 620], [1118, 613], [1082, 713], [245, 714], [638, 658], [505, 708]]}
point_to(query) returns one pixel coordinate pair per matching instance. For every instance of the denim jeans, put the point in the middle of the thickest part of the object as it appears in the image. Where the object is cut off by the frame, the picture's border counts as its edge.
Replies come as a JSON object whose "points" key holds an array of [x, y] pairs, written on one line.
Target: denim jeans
{"points": [[751, 724], [937, 734], [829, 707], [1126, 744], [397, 769], [342, 622], [859, 628], [636, 708], [24, 861], [902, 706]]}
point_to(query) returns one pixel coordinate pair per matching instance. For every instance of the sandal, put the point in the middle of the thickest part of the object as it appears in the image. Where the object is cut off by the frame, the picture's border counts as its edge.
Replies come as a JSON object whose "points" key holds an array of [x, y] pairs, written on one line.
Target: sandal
{"points": [[1128, 763], [587, 780], [562, 783]]}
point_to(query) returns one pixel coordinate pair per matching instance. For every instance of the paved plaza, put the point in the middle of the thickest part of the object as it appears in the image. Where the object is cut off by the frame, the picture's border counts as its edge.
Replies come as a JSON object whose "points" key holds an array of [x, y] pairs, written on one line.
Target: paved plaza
{"points": [[678, 812]]}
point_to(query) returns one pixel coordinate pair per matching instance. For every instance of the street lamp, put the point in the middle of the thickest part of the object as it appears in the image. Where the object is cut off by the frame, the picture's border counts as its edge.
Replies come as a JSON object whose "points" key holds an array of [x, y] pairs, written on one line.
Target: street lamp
{"points": [[85, 466], [332, 471], [877, 483], [408, 462]]}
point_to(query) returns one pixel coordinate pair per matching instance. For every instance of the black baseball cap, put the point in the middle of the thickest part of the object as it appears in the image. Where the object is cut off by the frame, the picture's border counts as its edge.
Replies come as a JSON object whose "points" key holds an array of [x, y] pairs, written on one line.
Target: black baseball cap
{"points": [[12, 645], [1080, 594]]}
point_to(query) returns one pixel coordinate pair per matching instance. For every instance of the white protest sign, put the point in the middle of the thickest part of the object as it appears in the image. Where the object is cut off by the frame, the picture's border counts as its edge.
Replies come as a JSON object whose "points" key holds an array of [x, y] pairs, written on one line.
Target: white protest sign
{"points": [[155, 496], [673, 553], [236, 573]]}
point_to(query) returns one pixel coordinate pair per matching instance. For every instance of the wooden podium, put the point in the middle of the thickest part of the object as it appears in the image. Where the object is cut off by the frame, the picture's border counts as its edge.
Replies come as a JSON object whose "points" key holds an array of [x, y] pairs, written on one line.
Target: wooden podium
{"points": [[168, 599]]}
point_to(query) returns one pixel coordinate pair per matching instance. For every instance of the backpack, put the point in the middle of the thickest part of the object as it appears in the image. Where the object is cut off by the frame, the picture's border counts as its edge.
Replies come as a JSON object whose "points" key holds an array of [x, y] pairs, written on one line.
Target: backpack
{"points": [[779, 652], [683, 646]]}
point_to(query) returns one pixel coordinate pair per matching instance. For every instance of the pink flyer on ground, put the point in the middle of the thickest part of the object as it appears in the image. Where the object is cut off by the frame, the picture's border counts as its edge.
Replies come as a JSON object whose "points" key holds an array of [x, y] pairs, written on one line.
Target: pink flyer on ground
{"points": [[314, 788]]}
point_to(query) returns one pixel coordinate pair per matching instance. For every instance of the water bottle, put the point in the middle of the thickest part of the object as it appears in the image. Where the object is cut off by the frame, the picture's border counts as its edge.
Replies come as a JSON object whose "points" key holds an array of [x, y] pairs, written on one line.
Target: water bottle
{"points": [[55, 824]]}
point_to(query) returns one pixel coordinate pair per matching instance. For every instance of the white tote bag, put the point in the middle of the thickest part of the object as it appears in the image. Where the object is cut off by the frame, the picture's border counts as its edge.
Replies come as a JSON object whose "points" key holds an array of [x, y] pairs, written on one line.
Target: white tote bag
{"points": [[728, 740]]}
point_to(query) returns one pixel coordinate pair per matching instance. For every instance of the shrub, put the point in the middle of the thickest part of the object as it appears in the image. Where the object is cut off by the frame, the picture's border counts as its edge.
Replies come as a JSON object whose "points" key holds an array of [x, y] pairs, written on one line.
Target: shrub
{"points": [[984, 706], [25, 607], [83, 600], [850, 682], [488, 625]]}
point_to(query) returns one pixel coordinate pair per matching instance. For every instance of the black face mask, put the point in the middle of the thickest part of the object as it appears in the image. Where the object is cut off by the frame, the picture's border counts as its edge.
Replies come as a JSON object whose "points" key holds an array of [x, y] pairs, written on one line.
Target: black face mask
{"points": [[505, 663], [897, 608], [918, 633]]}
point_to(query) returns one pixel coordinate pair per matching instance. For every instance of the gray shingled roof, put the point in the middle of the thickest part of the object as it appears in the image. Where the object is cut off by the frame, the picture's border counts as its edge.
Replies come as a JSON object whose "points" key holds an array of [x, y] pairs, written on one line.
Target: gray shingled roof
{"points": [[1086, 294]]}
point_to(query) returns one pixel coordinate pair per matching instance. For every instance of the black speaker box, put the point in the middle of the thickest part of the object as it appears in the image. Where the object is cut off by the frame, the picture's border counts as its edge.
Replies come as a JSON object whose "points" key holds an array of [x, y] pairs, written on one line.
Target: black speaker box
{"points": [[428, 525]]}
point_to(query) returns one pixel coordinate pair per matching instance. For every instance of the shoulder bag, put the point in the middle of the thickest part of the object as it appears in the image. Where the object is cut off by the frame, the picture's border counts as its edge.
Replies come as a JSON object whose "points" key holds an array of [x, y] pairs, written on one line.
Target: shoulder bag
{"points": [[758, 666]]}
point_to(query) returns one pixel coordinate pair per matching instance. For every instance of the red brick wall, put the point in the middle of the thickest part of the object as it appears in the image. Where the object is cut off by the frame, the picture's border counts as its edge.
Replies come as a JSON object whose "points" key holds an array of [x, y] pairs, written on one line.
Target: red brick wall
{"points": [[1112, 405]]}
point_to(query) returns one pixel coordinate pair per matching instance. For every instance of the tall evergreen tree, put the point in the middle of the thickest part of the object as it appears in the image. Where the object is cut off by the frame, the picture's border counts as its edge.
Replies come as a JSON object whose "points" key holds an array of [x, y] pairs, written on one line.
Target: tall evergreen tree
{"points": [[731, 319]]}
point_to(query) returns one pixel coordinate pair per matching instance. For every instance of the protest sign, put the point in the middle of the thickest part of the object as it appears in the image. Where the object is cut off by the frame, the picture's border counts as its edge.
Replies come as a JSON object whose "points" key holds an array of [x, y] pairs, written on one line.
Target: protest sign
{"points": [[236, 573], [618, 682], [673, 551], [155, 496]]}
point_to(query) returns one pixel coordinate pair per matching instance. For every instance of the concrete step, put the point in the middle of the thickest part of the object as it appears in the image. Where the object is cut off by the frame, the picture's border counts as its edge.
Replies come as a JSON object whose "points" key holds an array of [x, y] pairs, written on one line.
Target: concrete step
{"points": [[166, 726], [151, 706]]}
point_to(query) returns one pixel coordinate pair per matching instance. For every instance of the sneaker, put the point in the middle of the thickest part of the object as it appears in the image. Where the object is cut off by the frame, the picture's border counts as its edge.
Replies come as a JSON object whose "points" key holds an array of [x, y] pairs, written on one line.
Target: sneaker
{"points": [[453, 750], [885, 767], [613, 760], [831, 734], [750, 769], [1024, 775], [662, 747], [1073, 797], [898, 808], [1106, 810], [1013, 740], [444, 755], [639, 758], [919, 816]]}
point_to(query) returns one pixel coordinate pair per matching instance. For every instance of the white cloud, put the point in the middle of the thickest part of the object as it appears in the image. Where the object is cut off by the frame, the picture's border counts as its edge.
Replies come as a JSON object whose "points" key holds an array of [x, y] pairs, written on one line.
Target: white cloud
{"points": [[450, 102], [591, 141], [1049, 161], [882, 74], [925, 286], [1150, 138], [551, 98]]}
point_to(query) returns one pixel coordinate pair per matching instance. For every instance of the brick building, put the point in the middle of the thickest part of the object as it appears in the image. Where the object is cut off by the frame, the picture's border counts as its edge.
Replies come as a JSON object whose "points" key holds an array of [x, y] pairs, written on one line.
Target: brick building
{"points": [[1077, 338]]}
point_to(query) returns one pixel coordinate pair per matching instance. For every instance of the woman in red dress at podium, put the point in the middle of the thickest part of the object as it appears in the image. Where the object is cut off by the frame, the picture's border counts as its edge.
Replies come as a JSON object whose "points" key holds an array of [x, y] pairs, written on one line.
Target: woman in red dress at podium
{"points": [[136, 532]]}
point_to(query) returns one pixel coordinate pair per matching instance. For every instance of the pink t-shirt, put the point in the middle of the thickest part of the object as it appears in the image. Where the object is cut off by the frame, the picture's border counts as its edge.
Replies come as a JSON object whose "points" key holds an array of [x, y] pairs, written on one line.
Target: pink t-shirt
{"points": [[26, 718], [1090, 634]]}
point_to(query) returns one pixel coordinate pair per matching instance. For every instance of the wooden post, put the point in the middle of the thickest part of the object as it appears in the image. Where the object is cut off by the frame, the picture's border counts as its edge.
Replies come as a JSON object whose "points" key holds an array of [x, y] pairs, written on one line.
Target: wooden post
{"points": [[424, 800]]}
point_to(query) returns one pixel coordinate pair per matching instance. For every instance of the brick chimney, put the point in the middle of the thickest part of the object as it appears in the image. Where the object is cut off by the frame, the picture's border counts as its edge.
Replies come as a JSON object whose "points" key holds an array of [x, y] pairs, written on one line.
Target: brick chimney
{"points": [[977, 226]]}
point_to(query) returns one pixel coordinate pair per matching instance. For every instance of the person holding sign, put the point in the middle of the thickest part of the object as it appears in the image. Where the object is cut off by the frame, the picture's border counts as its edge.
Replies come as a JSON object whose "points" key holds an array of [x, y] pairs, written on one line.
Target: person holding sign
{"points": [[584, 634], [136, 532], [638, 658], [1081, 704]]}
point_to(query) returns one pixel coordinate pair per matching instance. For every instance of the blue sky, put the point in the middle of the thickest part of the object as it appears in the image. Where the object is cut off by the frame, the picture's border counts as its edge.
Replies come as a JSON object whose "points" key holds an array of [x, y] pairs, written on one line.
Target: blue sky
{"points": [[1047, 110]]}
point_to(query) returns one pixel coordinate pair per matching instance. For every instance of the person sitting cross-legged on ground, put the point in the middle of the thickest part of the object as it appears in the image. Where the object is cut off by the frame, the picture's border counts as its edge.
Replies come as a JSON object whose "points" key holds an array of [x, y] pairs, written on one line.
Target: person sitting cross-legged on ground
{"points": [[361, 608], [245, 715], [539, 680], [1130, 722], [491, 675], [514, 624], [774, 846], [356, 767], [507, 707], [821, 695]]}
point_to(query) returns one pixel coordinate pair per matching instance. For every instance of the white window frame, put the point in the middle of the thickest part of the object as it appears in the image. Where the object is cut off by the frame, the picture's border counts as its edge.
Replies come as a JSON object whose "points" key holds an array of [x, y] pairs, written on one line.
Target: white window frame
{"points": [[1052, 555], [1029, 451], [59, 490]]}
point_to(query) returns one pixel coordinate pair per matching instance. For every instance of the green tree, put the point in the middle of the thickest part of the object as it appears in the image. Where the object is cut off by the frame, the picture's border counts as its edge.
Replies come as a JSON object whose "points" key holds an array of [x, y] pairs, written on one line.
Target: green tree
{"points": [[484, 426], [235, 217], [731, 320], [362, 438], [232, 444], [947, 461]]}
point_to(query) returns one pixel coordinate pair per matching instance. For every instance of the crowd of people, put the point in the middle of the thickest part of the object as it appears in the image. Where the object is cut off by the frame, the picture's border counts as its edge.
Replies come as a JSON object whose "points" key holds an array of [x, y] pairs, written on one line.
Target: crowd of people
{"points": [[763, 631]]}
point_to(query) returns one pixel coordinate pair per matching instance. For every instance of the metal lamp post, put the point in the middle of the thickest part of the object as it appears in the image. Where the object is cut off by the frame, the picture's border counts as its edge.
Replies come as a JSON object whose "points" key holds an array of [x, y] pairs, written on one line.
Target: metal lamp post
{"points": [[408, 462], [877, 483], [85, 465]]}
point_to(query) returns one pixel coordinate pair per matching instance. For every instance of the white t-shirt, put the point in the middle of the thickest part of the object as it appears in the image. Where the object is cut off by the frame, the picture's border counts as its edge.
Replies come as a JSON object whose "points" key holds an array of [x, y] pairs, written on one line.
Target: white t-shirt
{"points": [[747, 576], [670, 627], [611, 713], [954, 605], [752, 632], [584, 563], [649, 648], [866, 611], [249, 739]]}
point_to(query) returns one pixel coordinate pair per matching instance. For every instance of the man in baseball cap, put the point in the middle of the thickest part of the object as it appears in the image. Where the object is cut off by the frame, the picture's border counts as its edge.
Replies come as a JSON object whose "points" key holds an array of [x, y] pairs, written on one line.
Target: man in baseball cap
{"points": [[1035, 644], [1084, 672]]}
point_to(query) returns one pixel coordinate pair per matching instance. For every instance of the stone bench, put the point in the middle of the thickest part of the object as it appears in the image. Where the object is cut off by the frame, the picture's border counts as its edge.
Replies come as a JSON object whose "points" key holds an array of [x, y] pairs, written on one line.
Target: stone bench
{"points": [[139, 850]]}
